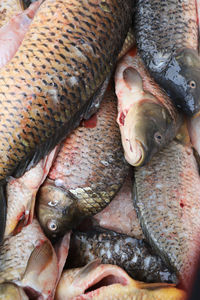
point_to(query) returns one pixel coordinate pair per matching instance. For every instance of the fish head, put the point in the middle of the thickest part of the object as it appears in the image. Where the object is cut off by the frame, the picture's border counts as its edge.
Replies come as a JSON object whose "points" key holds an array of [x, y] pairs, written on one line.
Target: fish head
{"points": [[183, 77], [55, 210], [148, 127], [11, 291]]}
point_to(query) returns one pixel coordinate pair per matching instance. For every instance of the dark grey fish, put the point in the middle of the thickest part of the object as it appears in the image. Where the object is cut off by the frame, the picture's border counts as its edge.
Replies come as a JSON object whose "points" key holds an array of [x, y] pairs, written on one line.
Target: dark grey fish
{"points": [[167, 39], [131, 254]]}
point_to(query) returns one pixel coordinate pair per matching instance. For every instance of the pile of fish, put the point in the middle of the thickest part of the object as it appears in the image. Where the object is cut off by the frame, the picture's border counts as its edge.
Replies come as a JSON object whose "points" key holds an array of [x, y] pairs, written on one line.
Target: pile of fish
{"points": [[99, 152]]}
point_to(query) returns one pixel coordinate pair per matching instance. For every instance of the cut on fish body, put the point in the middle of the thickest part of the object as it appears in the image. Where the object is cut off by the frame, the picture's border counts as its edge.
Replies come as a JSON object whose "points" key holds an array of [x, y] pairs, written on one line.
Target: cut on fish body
{"points": [[131, 254], [167, 200], [87, 173], [171, 58]]}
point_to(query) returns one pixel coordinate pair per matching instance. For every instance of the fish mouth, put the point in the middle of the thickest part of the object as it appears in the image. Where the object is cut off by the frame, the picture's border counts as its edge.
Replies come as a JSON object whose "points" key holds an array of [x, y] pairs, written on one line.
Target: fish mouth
{"points": [[105, 276], [134, 152]]}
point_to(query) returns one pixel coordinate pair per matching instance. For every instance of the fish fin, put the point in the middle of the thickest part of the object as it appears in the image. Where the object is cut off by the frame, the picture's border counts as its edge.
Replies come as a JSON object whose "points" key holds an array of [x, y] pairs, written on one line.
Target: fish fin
{"points": [[3, 211], [38, 260], [86, 270], [96, 99]]}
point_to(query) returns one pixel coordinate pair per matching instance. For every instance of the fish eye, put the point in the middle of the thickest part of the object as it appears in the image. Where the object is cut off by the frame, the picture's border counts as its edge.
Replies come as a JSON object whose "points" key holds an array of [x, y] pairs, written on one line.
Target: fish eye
{"points": [[192, 84], [51, 225], [158, 137]]}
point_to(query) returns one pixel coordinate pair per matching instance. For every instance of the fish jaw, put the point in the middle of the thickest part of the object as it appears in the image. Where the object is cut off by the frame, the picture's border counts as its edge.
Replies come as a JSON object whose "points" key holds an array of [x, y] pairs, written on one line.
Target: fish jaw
{"points": [[21, 194]]}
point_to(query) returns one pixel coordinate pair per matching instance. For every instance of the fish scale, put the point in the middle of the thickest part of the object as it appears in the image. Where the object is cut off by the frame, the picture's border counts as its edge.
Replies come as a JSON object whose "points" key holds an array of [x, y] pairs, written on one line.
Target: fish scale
{"points": [[171, 58], [177, 18], [46, 87], [88, 171], [168, 206]]}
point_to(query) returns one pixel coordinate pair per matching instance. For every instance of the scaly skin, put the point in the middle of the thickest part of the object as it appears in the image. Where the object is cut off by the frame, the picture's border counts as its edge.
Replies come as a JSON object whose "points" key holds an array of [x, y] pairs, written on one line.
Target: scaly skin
{"points": [[87, 173], [68, 53], [131, 254], [46, 87], [168, 205], [171, 58]]}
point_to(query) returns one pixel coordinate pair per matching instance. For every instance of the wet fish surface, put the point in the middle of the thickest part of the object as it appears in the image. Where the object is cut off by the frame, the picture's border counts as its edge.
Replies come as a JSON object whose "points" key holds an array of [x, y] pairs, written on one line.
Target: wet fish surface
{"points": [[87, 173], [167, 201], [146, 117], [97, 281], [171, 58], [55, 76], [131, 254]]}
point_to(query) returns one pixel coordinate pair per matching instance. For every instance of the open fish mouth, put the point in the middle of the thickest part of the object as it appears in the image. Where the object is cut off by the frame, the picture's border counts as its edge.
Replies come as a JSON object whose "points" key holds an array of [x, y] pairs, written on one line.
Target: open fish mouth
{"points": [[105, 275]]}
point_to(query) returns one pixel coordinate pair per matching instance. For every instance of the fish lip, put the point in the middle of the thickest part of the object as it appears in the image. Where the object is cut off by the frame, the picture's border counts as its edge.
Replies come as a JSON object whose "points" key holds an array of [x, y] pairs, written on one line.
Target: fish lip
{"points": [[103, 272], [140, 147]]}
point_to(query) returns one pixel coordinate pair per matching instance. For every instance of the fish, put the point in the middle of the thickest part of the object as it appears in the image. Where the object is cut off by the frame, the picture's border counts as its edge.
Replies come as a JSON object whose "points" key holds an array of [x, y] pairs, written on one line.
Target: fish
{"points": [[51, 83], [133, 255], [44, 269], [11, 291], [21, 194], [88, 172], [120, 215], [29, 261], [172, 59], [14, 30], [16, 250], [106, 281], [167, 201], [146, 117]]}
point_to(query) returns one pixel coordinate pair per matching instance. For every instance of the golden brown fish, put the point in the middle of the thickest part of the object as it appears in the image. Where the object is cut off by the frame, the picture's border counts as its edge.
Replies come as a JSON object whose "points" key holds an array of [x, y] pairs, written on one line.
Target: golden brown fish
{"points": [[100, 282], [167, 200], [52, 82], [87, 173]]}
